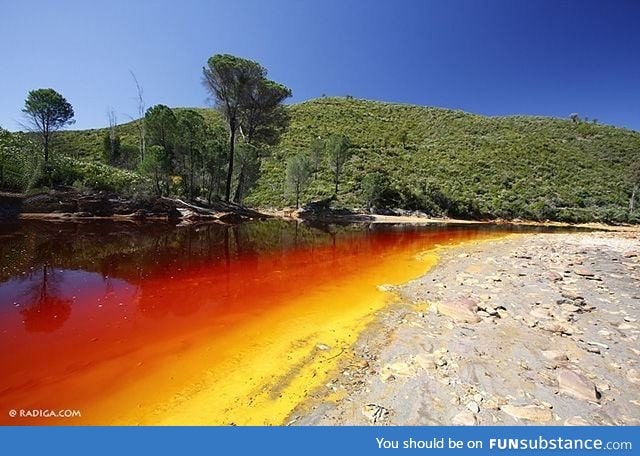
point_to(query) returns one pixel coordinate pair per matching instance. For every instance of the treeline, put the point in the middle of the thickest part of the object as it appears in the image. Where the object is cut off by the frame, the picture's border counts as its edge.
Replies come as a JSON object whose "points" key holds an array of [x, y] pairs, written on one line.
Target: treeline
{"points": [[179, 152]]}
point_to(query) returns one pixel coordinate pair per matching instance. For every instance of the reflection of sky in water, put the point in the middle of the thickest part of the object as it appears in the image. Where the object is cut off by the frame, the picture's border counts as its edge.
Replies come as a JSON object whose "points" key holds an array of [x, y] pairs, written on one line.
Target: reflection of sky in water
{"points": [[46, 298]]}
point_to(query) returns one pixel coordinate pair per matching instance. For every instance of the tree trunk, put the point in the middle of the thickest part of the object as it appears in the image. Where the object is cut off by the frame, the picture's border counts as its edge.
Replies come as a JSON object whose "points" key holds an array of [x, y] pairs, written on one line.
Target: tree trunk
{"points": [[45, 136], [632, 201], [238, 193], [232, 140], [297, 196]]}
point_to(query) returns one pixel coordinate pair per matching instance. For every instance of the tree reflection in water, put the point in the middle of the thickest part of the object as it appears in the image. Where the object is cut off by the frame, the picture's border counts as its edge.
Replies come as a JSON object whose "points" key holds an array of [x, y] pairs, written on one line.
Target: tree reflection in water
{"points": [[48, 310]]}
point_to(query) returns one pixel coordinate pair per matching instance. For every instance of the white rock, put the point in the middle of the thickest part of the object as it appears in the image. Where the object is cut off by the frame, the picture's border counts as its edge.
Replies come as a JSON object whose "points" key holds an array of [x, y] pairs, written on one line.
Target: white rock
{"points": [[473, 407], [464, 418]]}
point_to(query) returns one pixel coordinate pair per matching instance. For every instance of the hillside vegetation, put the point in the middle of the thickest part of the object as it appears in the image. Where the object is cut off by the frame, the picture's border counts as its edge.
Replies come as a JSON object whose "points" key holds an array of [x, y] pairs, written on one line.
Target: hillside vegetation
{"points": [[461, 164], [439, 161]]}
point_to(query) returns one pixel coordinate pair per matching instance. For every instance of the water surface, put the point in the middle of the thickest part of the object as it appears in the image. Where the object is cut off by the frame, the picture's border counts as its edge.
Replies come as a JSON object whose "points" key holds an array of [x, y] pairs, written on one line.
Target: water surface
{"points": [[156, 324]]}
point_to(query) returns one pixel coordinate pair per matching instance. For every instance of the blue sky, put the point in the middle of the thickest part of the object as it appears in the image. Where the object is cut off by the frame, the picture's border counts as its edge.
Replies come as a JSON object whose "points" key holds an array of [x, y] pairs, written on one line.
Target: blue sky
{"points": [[497, 57]]}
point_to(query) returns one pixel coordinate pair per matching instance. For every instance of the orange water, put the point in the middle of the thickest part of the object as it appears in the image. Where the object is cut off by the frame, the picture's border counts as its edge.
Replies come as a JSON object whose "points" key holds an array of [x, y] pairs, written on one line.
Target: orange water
{"points": [[190, 325]]}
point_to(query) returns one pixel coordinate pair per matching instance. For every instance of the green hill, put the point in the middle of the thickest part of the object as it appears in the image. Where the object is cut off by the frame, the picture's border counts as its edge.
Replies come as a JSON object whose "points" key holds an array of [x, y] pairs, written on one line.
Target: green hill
{"points": [[445, 162]]}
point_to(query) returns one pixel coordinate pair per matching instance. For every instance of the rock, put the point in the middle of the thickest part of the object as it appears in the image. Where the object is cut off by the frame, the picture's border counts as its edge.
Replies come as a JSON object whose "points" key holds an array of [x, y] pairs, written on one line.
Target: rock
{"points": [[572, 295], [554, 276], [231, 218], [536, 413], [323, 347], [541, 314], [576, 421], [633, 376], [557, 327], [597, 344], [461, 309], [555, 355], [571, 308], [584, 272], [398, 369], [473, 407], [375, 413], [464, 418], [491, 311], [386, 287], [577, 385]]}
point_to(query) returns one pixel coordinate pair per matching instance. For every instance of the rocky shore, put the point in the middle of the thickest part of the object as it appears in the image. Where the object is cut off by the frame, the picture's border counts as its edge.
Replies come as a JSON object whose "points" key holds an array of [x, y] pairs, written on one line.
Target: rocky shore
{"points": [[62, 204], [530, 329]]}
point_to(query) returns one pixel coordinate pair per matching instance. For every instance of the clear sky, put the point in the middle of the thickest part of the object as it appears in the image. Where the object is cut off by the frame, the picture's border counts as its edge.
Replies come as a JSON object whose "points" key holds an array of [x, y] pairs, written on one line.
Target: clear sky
{"points": [[498, 57]]}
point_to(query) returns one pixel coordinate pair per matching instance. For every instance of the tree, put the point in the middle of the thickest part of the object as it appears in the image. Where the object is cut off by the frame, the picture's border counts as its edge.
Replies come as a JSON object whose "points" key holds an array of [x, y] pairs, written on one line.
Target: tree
{"points": [[160, 125], [338, 147], [298, 174], [374, 185], [191, 132], [111, 148], [142, 142], [114, 140], [248, 166], [574, 117], [152, 165], [635, 185], [246, 99], [47, 112], [316, 155]]}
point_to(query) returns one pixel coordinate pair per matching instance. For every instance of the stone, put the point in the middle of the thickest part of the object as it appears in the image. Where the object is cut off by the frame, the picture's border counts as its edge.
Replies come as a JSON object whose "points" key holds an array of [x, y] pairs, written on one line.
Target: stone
{"points": [[633, 376], [473, 407], [576, 421], [398, 369], [584, 272], [572, 295], [554, 276], [571, 308], [577, 385], [375, 413], [536, 413], [557, 327], [464, 418], [460, 309], [541, 314], [555, 355]]}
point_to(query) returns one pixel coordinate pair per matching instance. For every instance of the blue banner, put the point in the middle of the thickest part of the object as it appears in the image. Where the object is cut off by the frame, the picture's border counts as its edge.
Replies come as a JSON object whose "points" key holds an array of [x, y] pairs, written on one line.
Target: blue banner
{"points": [[308, 441]]}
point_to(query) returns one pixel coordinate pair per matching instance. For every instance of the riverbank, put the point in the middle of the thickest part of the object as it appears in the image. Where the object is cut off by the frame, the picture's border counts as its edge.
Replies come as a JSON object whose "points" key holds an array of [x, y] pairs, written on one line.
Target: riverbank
{"points": [[69, 204], [528, 329]]}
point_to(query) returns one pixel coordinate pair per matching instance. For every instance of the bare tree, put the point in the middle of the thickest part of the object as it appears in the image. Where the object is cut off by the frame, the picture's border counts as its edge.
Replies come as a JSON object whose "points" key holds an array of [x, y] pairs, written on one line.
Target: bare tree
{"points": [[141, 112], [113, 132]]}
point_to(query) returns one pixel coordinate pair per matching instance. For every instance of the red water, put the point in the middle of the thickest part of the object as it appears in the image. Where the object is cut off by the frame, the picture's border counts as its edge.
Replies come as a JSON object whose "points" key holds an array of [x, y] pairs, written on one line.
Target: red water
{"points": [[92, 315]]}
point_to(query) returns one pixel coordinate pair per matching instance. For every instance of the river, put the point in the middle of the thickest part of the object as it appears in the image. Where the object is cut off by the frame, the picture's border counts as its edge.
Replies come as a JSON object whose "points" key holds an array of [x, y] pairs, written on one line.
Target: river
{"points": [[210, 324]]}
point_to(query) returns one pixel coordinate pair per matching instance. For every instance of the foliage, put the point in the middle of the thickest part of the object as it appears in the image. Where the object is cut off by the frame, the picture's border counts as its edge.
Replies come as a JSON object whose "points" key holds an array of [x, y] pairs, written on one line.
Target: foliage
{"points": [[19, 162], [247, 100], [299, 170], [453, 163], [460, 164], [47, 111], [338, 147]]}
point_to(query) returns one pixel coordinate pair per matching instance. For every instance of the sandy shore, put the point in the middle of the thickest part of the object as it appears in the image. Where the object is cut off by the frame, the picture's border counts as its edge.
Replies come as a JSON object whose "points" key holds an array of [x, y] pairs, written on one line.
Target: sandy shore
{"points": [[529, 329]]}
